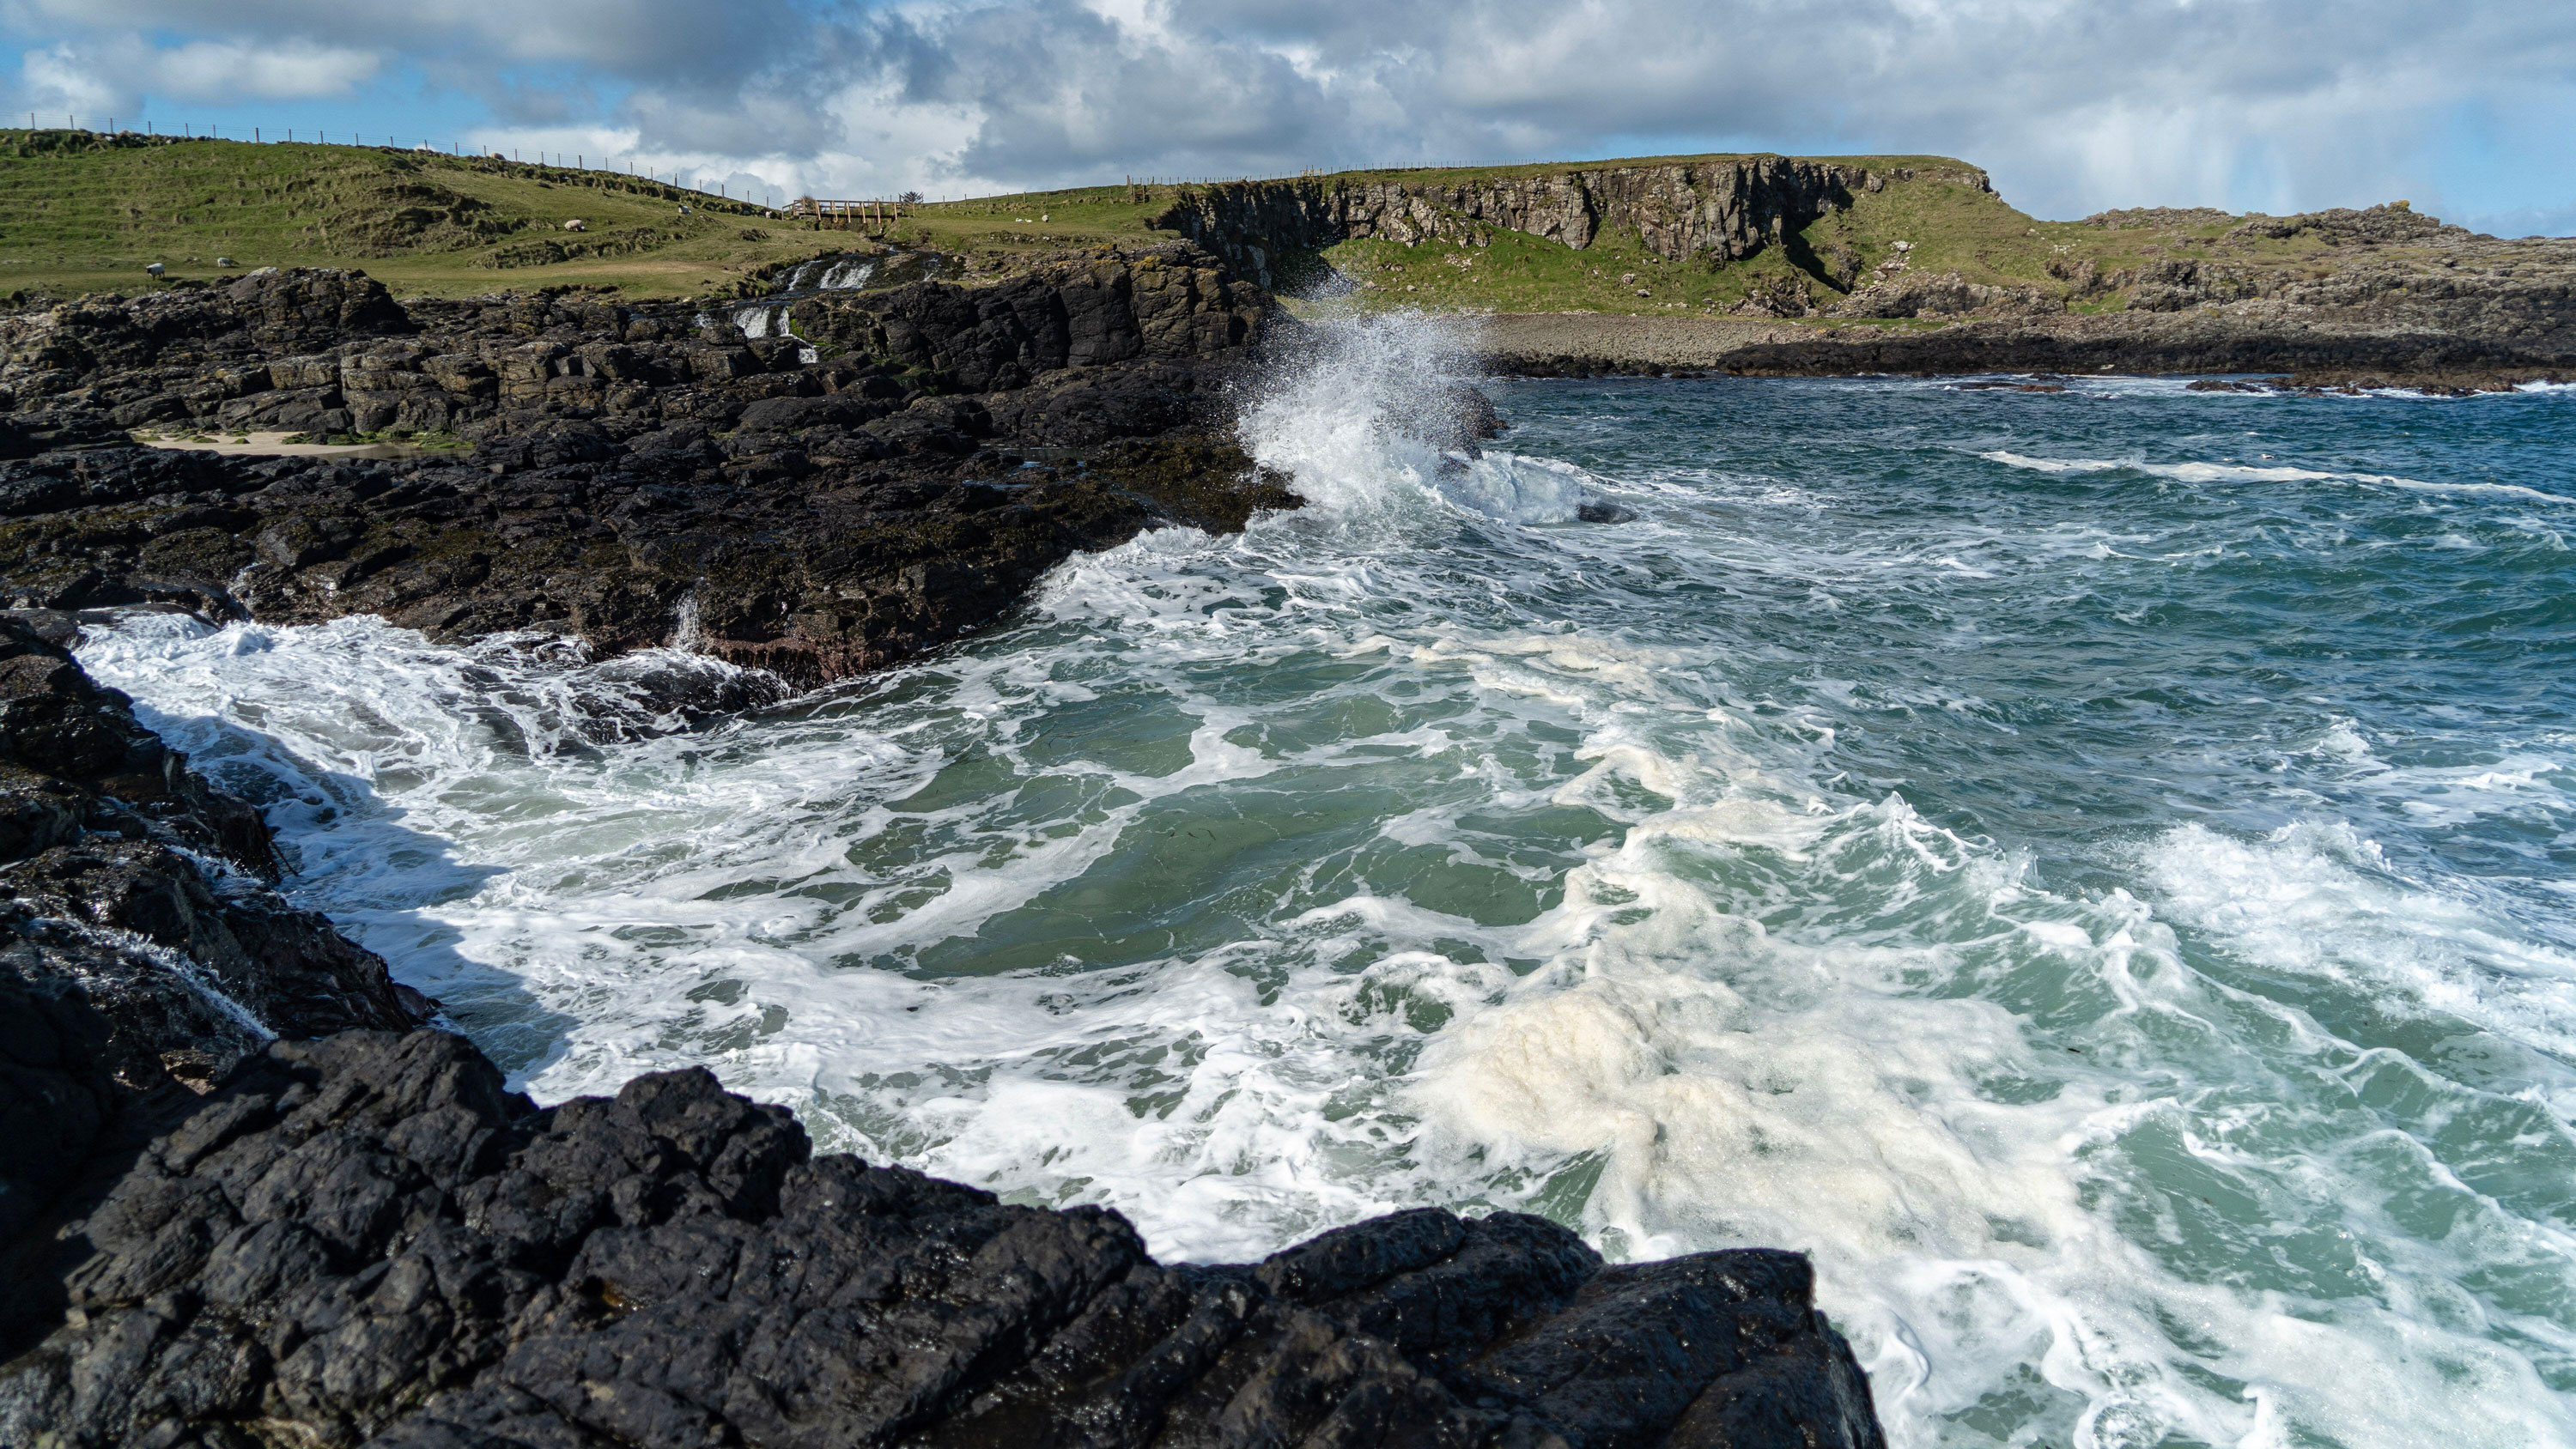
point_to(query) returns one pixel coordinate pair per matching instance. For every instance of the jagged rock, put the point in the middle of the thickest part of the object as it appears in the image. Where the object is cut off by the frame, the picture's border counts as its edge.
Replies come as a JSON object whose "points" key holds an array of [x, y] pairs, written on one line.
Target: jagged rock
{"points": [[121, 869], [50, 351], [368, 1240], [76, 751], [142, 952], [818, 518], [1162, 304], [283, 308]]}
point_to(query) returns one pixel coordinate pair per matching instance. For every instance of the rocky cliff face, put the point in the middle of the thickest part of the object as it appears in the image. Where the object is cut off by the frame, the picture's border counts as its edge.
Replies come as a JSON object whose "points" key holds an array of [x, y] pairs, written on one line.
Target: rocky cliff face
{"points": [[1724, 210], [368, 1240]]}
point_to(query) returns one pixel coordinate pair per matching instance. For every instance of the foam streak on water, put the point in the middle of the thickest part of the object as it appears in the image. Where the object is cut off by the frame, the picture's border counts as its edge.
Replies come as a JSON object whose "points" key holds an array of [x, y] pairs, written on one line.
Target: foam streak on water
{"points": [[2093, 868]]}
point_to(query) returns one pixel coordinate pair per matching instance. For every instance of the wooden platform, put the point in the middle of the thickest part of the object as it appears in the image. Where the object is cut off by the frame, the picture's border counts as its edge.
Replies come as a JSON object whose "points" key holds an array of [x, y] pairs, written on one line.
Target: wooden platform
{"points": [[846, 215]]}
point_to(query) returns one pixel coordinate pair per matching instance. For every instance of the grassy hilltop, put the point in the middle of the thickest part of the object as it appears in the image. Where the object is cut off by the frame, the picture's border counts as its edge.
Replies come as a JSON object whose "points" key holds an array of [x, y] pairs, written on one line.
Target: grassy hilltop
{"points": [[81, 212]]}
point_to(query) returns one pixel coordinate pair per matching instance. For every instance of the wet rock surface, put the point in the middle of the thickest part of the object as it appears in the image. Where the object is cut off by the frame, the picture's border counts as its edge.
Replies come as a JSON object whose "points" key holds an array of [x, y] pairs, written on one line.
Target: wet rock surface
{"points": [[367, 1240], [817, 505], [143, 951]]}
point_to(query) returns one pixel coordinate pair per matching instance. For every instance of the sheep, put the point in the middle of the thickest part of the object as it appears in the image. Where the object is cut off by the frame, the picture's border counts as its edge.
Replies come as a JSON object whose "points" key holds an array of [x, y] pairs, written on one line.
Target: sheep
{"points": [[226, 262], [576, 224], [155, 270]]}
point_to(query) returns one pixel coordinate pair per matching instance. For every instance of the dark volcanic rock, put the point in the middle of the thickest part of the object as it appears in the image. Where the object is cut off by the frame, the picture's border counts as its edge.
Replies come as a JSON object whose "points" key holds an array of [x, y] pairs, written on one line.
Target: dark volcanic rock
{"points": [[367, 1240], [142, 951], [627, 471], [1163, 305]]}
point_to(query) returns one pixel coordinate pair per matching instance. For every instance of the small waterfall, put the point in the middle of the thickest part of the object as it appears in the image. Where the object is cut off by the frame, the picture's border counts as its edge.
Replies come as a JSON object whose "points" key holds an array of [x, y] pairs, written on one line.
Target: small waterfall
{"points": [[770, 319], [828, 274]]}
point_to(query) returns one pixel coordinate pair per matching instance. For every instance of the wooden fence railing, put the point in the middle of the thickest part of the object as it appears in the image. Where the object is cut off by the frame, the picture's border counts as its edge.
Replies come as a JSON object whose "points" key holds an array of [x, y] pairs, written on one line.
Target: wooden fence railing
{"points": [[847, 215]]}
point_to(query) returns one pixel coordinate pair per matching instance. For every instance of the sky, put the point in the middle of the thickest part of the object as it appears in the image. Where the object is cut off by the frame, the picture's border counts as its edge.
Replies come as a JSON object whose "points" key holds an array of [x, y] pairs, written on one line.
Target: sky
{"points": [[2466, 108]]}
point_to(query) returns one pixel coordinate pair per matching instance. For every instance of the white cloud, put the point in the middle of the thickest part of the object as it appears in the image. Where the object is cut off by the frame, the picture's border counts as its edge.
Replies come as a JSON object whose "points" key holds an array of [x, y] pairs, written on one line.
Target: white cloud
{"points": [[2074, 104], [100, 80], [224, 70], [56, 81]]}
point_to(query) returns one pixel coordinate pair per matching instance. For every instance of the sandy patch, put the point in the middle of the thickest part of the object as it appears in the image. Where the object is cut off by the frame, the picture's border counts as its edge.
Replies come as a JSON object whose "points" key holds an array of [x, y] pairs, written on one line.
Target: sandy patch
{"points": [[274, 445]]}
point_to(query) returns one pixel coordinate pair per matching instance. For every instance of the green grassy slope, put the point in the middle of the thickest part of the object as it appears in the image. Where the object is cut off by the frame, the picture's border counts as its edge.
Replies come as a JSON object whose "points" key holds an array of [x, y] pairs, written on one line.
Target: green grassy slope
{"points": [[80, 213], [77, 216]]}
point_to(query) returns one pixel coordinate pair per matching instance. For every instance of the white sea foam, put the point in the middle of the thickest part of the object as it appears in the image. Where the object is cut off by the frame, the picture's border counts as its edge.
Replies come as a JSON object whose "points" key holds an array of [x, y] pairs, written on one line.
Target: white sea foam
{"points": [[2202, 472], [2319, 899]]}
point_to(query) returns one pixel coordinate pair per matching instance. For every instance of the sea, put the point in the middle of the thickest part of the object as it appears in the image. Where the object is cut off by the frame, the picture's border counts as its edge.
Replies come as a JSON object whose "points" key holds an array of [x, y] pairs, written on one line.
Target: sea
{"points": [[2096, 868]]}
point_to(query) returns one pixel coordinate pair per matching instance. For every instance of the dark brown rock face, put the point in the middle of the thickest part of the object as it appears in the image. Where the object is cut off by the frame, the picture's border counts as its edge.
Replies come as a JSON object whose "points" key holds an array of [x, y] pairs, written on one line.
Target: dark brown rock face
{"points": [[631, 471], [367, 1240]]}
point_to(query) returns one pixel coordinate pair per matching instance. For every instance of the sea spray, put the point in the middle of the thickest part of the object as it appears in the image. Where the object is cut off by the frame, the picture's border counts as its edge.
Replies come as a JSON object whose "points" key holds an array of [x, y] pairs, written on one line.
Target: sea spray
{"points": [[1364, 411]]}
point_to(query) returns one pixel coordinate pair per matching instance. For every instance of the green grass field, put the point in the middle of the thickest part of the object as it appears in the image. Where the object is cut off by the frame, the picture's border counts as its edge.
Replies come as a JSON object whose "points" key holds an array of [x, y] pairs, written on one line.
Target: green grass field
{"points": [[82, 213]]}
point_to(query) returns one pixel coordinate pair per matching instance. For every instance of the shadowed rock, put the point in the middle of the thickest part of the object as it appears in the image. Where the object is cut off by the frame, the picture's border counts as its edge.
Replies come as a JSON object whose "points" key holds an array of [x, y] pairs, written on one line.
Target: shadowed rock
{"points": [[142, 952], [367, 1240]]}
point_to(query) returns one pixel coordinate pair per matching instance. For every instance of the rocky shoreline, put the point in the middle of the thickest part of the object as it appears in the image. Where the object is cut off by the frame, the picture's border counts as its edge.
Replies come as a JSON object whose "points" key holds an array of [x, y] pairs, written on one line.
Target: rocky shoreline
{"points": [[250, 1202], [256, 1198], [619, 474], [2397, 352], [2384, 291]]}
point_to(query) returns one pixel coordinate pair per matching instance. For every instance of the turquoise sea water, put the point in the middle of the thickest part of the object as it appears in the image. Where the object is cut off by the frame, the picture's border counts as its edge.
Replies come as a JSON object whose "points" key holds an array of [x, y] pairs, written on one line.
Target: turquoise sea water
{"points": [[2094, 868]]}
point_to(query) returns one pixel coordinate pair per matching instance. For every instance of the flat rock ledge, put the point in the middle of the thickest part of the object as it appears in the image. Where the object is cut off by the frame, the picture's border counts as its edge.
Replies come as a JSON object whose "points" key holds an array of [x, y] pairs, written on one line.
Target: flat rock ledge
{"points": [[367, 1240]]}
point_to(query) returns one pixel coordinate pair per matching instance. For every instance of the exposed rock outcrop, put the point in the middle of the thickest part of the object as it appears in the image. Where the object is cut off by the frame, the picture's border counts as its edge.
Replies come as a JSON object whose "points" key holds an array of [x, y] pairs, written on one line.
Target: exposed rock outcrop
{"points": [[2407, 297], [368, 1240], [1090, 312], [142, 950], [175, 340], [817, 505], [1915, 294], [1719, 209]]}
